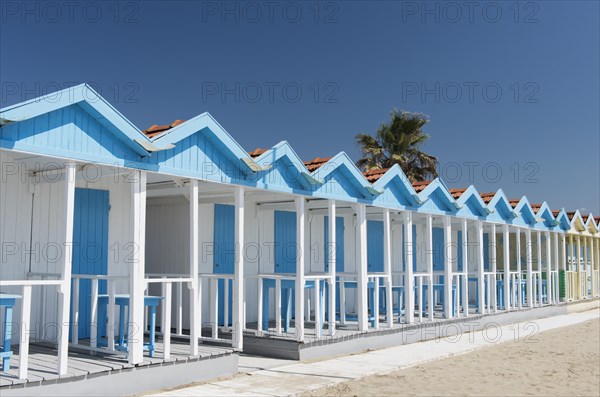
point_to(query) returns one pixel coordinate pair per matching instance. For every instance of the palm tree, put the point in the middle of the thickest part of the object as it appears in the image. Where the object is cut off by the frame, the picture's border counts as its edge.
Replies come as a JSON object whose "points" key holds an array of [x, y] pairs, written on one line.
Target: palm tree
{"points": [[399, 142]]}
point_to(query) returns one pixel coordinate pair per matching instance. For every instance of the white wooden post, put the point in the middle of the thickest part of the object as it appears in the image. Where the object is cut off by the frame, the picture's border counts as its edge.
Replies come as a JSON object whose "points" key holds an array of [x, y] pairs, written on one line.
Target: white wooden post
{"points": [[585, 267], [539, 268], [75, 319], [529, 259], [332, 250], [493, 265], [448, 263], [94, 314], [65, 287], [214, 307], [465, 260], [194, 286], [24, 337], [549, 287], [519, 289], [409, 279], [167, 322], [300, 244], [579, 258], [387, 265], [238, 281], [110, 331], [429, 263], [506, 257], [137, 266], [361, 266], [480, 264], [557, 261]]}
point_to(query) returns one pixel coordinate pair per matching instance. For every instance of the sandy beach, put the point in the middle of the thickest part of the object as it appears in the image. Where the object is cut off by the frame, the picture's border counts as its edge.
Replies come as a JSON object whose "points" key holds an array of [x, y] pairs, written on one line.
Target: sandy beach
{"points": [[559, 362]]}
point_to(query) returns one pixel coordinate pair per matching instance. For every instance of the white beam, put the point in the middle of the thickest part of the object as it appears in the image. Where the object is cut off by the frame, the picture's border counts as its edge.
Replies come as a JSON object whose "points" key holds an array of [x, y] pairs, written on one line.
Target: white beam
{"points": [[448, 267], [506, 257], [300, 225], [529, 261], [465, 263], [409, 280], [480, 264], [137, 268], [493, 266], [429, 263], [519, 269], [195, 318], [65, 287], [332, 249], [238, 281], [387, 266], [361, 270], [549, 286]]}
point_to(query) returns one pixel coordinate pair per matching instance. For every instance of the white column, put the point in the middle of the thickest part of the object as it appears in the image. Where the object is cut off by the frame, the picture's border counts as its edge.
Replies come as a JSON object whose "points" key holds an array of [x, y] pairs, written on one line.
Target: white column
{"points": [[549, 286], [195, 326], [480, 271], [506, 255], [409, 279], [238, 280], [519, 269], [300, 225], [557, 261], [492, 287], [429, 261], [529, 259], [65, 287], [137, 265], [361, 269], [585, 267], [447, 268], [387, 265], [332, 249], [465, 260], [578, 262], [539, 268]]}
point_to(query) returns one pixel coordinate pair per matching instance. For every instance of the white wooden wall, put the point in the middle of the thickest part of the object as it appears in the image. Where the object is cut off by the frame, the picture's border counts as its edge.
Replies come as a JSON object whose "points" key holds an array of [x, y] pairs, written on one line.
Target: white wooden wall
{"points": [[43, 223]]}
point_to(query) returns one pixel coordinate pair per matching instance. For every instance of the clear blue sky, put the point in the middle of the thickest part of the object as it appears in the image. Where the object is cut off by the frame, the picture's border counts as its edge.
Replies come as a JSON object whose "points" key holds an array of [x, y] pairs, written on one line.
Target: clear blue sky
{"points": [[512, 90]]}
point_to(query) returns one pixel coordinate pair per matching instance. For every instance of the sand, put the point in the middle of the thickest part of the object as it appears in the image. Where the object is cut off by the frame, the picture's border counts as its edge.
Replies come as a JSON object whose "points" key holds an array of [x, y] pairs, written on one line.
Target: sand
{"points": [[561, 362]]}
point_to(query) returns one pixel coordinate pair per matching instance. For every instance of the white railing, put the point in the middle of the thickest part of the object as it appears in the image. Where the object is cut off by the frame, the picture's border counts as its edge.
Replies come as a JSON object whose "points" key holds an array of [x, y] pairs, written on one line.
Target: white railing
{"points": [[570, 285], [212, 281], [166, 283], [24, 329], [461, 282], [420, 280], [94, 324], [278, 278], [596, 283]]}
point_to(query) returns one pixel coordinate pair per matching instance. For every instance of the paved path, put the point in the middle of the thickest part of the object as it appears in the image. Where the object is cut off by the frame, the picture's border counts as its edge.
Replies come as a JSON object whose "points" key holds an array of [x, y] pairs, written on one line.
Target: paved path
{"points": [[267, 377]]}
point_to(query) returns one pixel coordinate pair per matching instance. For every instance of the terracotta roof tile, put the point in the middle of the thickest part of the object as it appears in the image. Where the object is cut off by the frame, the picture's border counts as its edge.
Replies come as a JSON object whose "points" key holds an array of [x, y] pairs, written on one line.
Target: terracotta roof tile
{"points": [[257, 152], [316, 163], [536, 207], [374, 175], [155, 129], [487, 197], [555, 213], [456, 193], [514, 202], [597, 219], [571, 214], [420, 186]]}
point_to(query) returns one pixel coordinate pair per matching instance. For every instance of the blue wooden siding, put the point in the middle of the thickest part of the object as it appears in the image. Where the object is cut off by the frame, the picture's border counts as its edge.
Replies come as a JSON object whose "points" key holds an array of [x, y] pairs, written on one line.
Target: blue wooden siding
{"points": [[375, 246], [90, 249], [339, 244], [486, 251], [285, 242], [67, 132], [459, 251], [224, 248]]}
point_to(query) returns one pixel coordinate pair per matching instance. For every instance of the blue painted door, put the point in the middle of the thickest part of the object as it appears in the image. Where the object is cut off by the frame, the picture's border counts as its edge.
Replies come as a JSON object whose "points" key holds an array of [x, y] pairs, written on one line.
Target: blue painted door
{"points": [[224, 257], [414, 247], [339, 244], [285, 242], [486, 251], [90, 250], [438, 248], [375, 246]]}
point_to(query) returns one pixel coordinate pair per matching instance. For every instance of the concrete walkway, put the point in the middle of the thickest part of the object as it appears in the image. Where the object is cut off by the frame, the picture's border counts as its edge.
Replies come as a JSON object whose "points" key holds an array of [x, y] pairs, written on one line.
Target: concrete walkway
{"points": [[268, 377]]}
